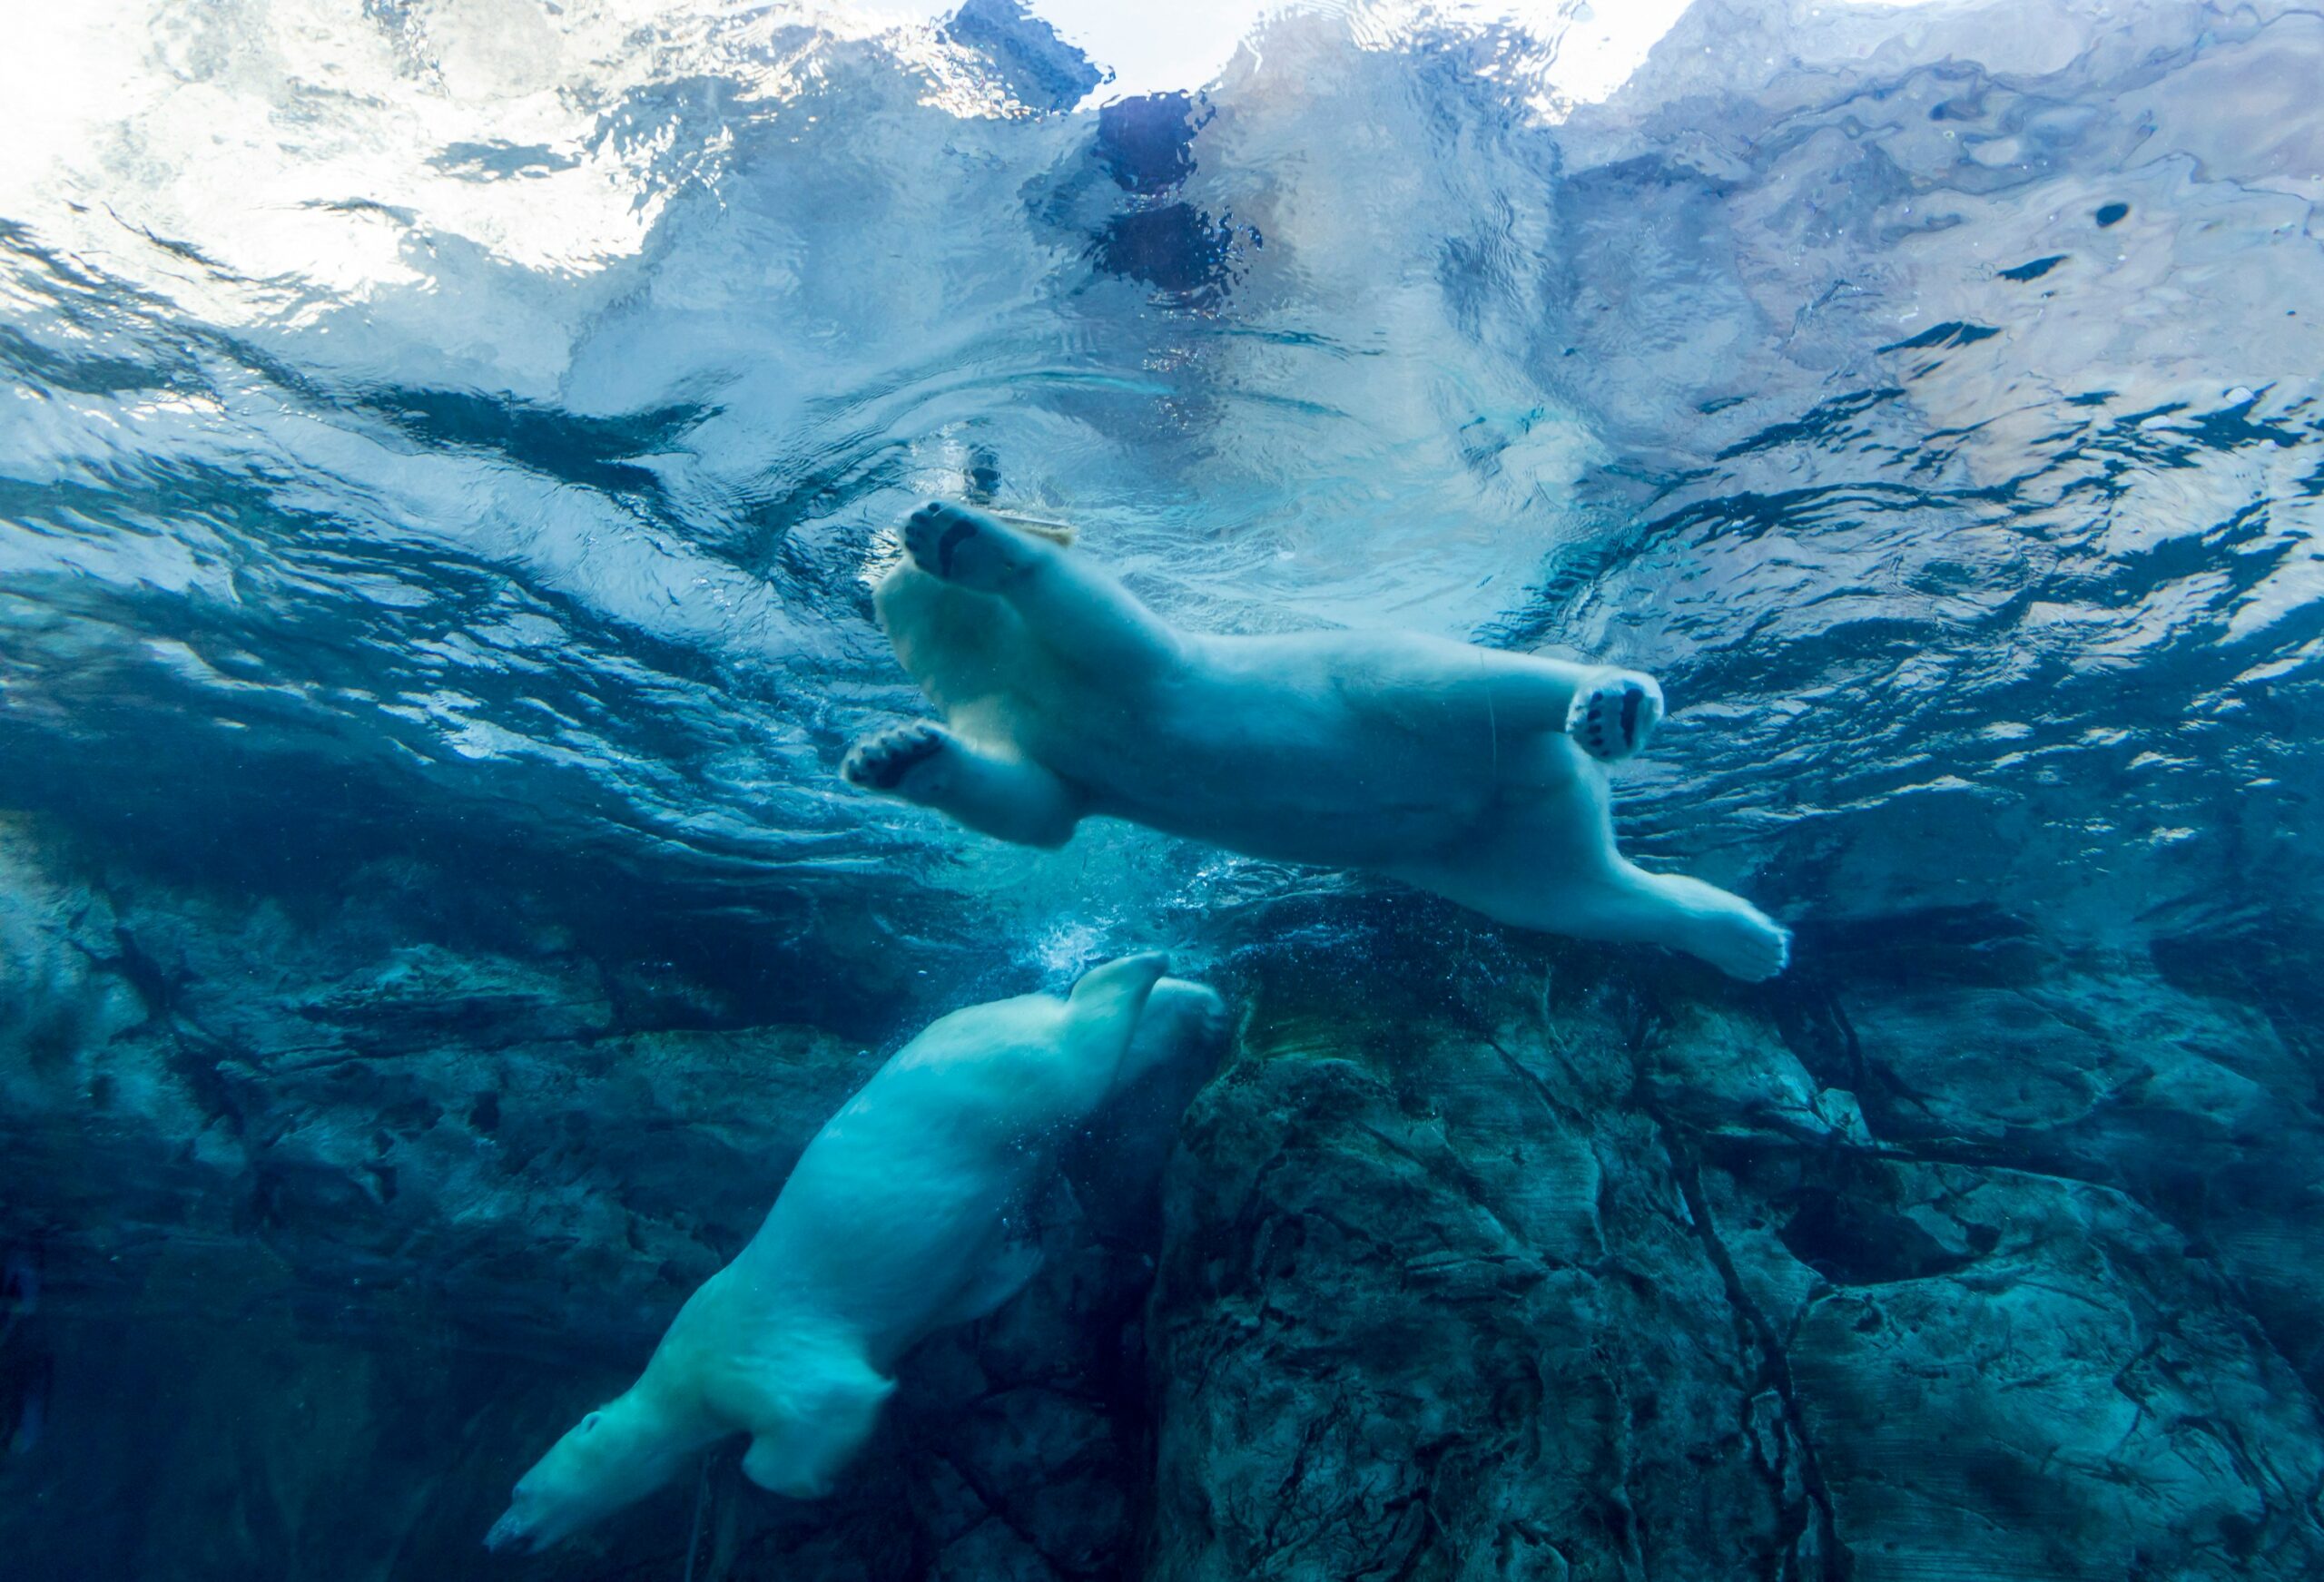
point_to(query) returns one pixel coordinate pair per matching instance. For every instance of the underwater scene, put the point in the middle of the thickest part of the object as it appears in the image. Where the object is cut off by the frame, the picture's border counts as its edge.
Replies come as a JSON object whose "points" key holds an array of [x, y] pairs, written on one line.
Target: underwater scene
{"points": [[1042, 790]]}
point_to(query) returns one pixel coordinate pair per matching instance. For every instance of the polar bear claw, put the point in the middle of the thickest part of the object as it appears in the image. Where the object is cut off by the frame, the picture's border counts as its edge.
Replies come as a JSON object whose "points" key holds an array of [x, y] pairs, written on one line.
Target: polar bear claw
{"points": [[880, 762]]}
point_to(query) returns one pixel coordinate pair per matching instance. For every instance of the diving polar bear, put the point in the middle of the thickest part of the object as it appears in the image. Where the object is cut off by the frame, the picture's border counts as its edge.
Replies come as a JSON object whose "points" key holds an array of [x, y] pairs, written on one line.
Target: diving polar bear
{"points": [[1459, 770], [894, 1224]]}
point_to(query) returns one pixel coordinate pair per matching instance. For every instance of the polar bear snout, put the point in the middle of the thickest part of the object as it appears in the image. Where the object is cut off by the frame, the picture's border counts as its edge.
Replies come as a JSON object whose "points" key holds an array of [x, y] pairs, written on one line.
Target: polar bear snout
{"points": [[617, 1454], [535, 1518], [513, 1534]]}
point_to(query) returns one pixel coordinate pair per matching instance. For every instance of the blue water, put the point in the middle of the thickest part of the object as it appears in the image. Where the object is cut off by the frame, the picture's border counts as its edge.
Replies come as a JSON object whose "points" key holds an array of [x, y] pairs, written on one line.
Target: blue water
{"points": [[439, 445], [1939, 425]]}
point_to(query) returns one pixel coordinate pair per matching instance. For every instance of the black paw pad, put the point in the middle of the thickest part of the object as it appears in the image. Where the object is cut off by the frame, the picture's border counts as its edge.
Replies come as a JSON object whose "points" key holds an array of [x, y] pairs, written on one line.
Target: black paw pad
{"points": [[882, 762], [958, 533], [1614, 722]]}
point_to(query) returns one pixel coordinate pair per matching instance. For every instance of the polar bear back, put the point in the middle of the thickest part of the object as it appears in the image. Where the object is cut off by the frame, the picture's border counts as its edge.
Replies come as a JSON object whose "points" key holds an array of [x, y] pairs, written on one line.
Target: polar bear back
{"points": [[905, 1197]]}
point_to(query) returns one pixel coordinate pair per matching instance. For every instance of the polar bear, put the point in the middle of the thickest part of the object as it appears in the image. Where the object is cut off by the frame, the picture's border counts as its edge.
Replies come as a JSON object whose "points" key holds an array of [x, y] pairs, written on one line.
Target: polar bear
{"points": [[893, 1224], [1473, 773]]}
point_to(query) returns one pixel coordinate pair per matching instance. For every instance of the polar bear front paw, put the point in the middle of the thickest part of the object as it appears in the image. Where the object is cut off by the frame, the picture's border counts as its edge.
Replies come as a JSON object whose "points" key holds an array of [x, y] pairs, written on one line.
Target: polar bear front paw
{"points": [[965, 547], [883, 763], [1612, 718]]}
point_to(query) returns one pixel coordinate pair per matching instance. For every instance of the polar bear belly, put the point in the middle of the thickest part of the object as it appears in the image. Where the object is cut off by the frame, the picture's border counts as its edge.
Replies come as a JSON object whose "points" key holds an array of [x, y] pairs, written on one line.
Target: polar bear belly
{"points": [[1260, 764]]}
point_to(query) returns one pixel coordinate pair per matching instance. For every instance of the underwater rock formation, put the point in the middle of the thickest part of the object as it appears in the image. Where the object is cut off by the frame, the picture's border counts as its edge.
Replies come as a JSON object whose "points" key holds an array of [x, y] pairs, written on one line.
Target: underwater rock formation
{"points": [[341, 1214], [1474, 1260], [435, 608], [1575, 1277]]}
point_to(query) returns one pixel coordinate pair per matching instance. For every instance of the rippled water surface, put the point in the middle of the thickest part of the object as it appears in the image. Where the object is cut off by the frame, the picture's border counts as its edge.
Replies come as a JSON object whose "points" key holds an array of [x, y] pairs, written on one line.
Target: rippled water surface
{"points": [[446, 446], [467, 432]]}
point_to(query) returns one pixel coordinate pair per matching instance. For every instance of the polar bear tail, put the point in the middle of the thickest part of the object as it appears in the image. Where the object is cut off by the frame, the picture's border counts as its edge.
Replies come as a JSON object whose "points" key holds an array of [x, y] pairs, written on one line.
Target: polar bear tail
{"points": [[1102, 1013], [1120, 986]]}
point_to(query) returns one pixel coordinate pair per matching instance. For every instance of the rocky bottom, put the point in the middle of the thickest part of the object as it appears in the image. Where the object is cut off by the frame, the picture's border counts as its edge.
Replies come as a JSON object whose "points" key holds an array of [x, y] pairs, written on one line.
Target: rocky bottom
{"points": [[1472, 1262]]}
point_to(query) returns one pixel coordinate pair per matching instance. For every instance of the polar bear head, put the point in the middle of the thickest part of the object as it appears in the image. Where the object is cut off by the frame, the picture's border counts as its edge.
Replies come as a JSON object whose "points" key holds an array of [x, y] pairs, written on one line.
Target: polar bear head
{"points": [[619, 1453]]}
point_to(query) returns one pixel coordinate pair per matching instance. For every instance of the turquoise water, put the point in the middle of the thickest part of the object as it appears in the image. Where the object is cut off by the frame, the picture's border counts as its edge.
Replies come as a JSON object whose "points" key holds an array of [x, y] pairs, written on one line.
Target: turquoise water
{"points": [[446, 448]]}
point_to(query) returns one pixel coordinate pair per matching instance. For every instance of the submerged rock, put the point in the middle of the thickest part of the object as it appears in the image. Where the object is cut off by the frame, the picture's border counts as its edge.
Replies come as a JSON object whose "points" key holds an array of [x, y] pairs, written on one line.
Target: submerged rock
{"points": [[1609, 1284], [1435, 1305], [1474, 1260], [342, 1218]]}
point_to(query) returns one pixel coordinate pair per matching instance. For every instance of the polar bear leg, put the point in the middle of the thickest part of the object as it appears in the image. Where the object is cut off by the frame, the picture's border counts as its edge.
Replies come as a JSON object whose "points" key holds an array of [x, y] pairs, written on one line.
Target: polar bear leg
{"points": [[1544, 858], [1065, 600], [1631, 904], [1621, 904], [829, 1408], [1011, 799], [995, 1286], [1608, 712]]}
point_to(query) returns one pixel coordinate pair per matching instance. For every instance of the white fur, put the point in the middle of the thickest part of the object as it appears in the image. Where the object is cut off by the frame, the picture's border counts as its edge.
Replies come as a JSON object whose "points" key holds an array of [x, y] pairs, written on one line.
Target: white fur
{"points": [[892, 1224], [1440, 763]]}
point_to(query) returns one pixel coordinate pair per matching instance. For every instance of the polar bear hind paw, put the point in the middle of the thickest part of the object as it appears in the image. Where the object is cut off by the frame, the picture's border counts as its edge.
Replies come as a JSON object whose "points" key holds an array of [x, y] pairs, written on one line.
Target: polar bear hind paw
{"points": [[965, 547], [1745, 945], [1199, 1010], [880, 762], [1613, 717]]}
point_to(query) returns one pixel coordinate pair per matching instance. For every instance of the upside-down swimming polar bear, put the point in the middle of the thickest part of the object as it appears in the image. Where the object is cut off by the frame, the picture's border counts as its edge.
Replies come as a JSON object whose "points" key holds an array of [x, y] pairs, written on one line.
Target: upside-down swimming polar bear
{"points": [[894, 1224], [1459, 770]]}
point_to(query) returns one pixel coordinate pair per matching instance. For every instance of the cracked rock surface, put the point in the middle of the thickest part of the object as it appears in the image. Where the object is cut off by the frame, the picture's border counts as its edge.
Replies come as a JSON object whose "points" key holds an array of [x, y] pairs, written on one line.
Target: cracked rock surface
{"points": [[1474, 1261], [1606, 1282], [340, 1213]]}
